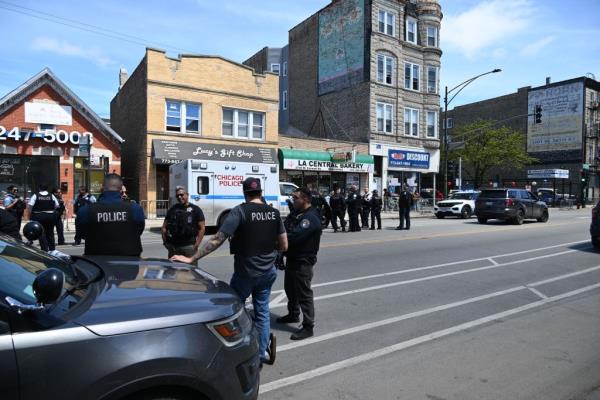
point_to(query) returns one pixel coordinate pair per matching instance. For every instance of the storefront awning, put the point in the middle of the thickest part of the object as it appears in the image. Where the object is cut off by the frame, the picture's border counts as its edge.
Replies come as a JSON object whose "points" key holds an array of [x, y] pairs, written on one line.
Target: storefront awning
{"points": [[295, 154], [173, 151], [309, 160]]}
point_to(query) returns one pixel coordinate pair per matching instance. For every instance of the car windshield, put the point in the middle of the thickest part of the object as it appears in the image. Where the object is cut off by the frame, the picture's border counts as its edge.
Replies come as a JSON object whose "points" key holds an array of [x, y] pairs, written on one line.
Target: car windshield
{"points": [[493, 194], [19, 266], [463, 196]]}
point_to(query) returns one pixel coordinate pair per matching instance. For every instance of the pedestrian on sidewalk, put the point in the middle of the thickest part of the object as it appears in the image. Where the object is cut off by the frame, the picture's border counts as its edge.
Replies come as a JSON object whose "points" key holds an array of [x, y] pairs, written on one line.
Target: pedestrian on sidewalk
{"points": [[82, 199], [110, 226], [42, 208], [338, 210], [386, 200], [353, 202], [405, 202], [365, 208], [304, 238], [184, 226], [376, 204], [14, 204], [258, 235], [60, 216]]}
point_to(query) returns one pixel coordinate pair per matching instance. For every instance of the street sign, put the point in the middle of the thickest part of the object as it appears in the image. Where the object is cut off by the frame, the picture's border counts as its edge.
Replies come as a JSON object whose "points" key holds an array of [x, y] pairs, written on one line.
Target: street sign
{"points": [[548, 173], [84, 144], [586, 166]]}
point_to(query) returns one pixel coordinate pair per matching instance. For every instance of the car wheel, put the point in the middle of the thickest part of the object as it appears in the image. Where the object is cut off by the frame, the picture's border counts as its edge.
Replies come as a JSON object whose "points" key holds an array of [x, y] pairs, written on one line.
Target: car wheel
{"points": [[596, 242], [465, 212], [440, 216], [482, 220], [544, 217], [518, 220]]}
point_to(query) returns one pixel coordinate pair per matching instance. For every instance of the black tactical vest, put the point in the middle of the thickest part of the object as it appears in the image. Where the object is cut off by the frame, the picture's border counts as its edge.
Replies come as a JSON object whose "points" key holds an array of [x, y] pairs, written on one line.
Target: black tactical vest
{"points": [[258, 232], [43, 202], [111, 231]]}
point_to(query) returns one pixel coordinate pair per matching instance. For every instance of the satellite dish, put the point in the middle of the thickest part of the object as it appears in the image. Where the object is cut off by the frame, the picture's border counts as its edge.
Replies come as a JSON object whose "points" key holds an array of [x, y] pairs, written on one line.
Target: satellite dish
{"points": [[590, 75]]}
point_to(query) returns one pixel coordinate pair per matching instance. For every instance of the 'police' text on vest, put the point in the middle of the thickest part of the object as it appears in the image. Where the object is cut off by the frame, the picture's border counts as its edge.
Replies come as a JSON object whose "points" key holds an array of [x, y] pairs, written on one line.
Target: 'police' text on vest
{"points": [[115, 216], [263, 216]]}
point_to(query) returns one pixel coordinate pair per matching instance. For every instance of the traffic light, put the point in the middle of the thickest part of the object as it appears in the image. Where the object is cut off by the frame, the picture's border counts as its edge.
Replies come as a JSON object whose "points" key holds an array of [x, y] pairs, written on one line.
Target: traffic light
{"points": [[538, 114], [584, 177], [451, 167]]}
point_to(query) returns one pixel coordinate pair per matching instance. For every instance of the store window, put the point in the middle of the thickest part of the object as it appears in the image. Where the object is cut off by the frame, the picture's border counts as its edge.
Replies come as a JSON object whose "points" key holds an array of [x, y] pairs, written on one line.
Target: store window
{"points": [[28, 172]]}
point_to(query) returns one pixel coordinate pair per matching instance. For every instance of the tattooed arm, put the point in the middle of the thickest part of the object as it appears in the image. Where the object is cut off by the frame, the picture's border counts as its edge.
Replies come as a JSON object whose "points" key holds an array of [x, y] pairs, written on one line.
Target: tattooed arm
{"points": [[211, 245]]}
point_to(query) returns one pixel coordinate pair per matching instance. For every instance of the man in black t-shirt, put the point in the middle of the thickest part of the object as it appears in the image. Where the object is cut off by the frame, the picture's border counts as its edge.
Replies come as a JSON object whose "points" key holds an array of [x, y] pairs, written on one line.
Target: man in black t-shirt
{"points": [[184, 226]]}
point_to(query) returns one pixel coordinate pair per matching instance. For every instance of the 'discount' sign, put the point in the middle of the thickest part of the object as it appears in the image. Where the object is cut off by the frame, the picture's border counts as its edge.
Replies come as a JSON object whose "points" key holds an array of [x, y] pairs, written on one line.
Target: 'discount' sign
{"points": [[408, 159]]}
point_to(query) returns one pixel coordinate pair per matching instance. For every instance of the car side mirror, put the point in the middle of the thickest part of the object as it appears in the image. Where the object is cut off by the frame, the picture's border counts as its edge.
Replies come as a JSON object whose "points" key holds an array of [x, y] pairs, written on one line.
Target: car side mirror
{"points": [[48, 286]]}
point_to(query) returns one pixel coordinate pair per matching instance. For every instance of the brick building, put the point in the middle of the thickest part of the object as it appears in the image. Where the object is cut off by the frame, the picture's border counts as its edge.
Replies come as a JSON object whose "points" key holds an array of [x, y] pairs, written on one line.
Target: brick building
{"points": [[41, 124], [367, 72], [170, 107]]}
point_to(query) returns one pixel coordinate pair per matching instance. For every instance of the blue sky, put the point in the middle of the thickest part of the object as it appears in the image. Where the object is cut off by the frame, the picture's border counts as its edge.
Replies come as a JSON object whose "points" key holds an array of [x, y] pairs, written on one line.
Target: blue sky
{"points": [[528, 39]]}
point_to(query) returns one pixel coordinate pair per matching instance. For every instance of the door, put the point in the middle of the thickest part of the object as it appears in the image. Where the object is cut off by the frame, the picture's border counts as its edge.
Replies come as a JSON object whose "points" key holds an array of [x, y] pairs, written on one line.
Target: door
{"points": [[527, 202], [202, 194], [9, 378], [536, 205]]}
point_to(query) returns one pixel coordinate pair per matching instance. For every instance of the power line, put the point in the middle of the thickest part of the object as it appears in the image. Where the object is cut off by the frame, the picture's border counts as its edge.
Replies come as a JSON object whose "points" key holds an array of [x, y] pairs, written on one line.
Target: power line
{"points": [[82, 26]]}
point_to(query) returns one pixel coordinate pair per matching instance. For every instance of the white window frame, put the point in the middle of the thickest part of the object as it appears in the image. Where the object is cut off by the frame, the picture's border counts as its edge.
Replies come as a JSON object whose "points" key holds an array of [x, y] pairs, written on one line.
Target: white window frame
{"points": [[413, 114], [435, 124], [435, 83], [385, 59], [250, 124], [183, 116], [435, 36], [386, 14], [410, 20], [278, 68], [384, 109], [284, 68], [411, 77], [284, 100], [450, 123]]}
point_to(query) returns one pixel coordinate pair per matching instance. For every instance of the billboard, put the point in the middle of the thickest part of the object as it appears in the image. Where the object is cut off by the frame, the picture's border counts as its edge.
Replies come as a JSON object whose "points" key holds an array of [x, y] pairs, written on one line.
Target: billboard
{"points": [[561, 127], [341, 45], [408, 159]]}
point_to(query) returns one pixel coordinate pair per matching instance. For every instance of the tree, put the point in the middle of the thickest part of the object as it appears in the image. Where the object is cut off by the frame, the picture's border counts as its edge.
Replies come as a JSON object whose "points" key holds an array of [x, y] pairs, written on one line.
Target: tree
{"points": [[483, 145]]}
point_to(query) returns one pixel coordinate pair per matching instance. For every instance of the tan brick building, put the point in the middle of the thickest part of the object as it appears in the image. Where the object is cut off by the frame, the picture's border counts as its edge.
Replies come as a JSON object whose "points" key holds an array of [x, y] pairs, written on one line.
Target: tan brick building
{"points": [[170, 106]]}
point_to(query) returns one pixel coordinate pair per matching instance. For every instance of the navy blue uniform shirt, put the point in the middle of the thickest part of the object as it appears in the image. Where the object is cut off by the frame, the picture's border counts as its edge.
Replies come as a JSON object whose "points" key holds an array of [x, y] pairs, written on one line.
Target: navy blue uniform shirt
{"points": [[83, 214]]}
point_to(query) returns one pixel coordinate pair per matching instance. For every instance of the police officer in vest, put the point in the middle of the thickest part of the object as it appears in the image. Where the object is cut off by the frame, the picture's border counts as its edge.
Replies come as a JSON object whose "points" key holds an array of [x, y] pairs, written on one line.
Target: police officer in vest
{"points": [[304, 238], [111, 227], [257, 234], [353, 201], [42, 208]]}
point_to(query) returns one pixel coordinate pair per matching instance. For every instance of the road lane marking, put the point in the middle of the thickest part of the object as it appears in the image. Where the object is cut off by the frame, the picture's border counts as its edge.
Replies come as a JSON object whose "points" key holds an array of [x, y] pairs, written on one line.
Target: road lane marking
{"points": [[371, 325], [277, 300], [349, 362], [431, 277], [490, 259]]}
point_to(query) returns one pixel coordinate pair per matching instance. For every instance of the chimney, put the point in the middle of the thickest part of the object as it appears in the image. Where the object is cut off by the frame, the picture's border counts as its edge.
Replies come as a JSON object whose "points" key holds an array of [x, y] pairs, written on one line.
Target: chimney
{"points": [[547, 80], [123, 76]]}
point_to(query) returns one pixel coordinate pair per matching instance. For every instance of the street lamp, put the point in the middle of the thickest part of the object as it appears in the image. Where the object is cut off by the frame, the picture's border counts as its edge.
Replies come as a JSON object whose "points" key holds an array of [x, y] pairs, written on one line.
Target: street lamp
{"points": [[460, 87]]}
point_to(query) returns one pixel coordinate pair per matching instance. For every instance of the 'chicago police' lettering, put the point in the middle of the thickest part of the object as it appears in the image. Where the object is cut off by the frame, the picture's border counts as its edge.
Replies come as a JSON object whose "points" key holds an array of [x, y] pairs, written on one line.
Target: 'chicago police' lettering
{"points": [[114, 216], [263, 216]]}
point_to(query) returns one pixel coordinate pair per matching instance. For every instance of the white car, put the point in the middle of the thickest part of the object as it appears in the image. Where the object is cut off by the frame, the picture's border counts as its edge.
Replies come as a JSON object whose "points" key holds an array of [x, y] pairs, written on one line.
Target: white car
{"points": [[459, 204]]}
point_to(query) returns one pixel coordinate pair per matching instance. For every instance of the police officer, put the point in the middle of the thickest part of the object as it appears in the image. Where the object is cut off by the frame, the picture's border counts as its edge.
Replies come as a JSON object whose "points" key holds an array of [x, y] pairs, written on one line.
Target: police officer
{"points": [[353, 202], [60, 214], [257, 234], [376, 203], [42, 208], [14, 204], [365, 208], [82, 199], [184, 226], [405, 202], [304, 237], [111, 226], [338, 210]]}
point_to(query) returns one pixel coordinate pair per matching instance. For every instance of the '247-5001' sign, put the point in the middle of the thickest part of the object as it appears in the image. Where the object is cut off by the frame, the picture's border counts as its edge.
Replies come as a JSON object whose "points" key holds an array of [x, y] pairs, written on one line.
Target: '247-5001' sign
{"points": [[408, 159]]}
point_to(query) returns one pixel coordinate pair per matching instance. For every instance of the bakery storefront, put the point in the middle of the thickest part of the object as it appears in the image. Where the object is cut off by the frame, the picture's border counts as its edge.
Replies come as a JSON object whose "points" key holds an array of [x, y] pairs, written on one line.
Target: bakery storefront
{"points": [[42, 124], [323, 170]]}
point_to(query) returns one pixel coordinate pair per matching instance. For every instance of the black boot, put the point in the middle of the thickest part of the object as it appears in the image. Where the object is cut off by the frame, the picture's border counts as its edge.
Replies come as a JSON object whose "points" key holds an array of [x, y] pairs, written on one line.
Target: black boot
{"points": [[288, 319], [302, 333]]}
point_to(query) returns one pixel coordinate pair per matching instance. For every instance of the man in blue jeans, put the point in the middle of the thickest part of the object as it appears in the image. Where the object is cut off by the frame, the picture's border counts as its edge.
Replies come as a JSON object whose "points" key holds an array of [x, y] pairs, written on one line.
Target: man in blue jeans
{"points": [[257, 234]]}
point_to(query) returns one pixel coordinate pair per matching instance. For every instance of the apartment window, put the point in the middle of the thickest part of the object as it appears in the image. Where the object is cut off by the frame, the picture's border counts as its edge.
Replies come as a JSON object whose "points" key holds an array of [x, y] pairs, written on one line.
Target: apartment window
{"points": [[243, 124], [275, 68], [385, 69], [284, 100], [411, 76], [385, 114], [432, 121], [411, 122], [285, 68], [431, 79], [432, 36], [411, 30], [450, 123], [387, 22], [182, 116]]}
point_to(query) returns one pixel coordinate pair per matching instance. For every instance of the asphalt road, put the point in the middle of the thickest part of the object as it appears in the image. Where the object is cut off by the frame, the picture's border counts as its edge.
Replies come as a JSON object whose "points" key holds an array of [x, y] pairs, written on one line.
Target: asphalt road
{"points": [[448, 310]]}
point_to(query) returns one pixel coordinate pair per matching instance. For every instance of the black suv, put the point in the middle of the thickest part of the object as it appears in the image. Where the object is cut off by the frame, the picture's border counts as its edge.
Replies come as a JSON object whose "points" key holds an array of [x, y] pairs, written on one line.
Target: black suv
{"points": [[595, 226], [106, 328], [513, 205]]}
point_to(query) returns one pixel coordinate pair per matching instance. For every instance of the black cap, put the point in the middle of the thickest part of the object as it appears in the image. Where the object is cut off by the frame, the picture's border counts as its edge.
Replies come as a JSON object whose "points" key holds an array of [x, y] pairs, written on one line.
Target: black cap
{"points": [[251, 185]]}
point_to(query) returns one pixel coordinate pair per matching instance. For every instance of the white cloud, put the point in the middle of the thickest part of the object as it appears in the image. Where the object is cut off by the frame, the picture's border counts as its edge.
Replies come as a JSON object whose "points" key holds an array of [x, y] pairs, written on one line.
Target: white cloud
{"points": [[67, 49], [500, 53], [487, 24], [535, 47]]}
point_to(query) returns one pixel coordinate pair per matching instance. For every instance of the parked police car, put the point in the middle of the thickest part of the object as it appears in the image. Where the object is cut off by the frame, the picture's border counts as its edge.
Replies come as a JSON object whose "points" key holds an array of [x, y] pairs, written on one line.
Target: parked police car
{"points": [[459, 204]]}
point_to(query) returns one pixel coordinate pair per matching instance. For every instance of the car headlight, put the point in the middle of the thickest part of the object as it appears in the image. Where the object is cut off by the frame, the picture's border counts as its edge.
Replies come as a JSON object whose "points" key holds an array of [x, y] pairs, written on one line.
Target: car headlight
{"points": [[233, 330]]}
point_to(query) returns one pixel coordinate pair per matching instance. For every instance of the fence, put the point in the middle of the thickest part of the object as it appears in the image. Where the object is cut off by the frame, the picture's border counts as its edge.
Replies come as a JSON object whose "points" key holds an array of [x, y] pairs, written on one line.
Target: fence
{"points": [[425, 206], [154, 209]]}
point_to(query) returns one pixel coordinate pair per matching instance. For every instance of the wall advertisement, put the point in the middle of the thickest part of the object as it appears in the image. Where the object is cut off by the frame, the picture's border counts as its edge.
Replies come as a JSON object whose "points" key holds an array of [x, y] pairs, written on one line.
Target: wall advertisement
{"points": [[561, 127]]}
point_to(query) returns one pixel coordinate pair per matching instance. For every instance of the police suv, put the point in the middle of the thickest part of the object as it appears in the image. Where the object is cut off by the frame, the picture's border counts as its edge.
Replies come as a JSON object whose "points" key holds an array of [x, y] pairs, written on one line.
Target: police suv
{"points": [[459, 204]]}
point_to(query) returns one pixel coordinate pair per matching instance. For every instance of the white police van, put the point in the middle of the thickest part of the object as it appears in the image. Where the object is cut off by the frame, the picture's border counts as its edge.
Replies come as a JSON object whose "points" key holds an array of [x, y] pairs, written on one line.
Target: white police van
{"points": [[216, 186], [459, 204]]}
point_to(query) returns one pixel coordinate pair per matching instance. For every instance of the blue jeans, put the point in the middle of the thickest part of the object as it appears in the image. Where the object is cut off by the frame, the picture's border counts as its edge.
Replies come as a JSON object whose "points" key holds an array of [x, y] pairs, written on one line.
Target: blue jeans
{"points": [[260, 289]]}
